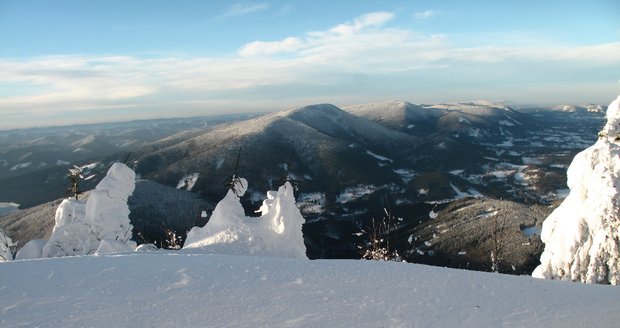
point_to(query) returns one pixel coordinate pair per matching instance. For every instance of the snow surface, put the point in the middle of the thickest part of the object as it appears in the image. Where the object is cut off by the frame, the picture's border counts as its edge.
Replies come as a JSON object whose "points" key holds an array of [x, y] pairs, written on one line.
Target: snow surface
{"points": [[582, 235], [277, 233], [167, 289]]}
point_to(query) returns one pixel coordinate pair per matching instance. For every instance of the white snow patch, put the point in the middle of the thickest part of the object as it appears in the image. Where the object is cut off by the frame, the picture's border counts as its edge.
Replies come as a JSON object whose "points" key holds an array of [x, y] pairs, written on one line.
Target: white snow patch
{"points": [[311, 203], [507, 143], [531, 160], [379, 157], [470, 193], [8, 208], [506, 123], [89, 166], [352, 193], [187, 182], [20, 166], [531, 231], [405, 174], [219, 163], [464, 120], [90, 177], [60, 162], [474, 133]]}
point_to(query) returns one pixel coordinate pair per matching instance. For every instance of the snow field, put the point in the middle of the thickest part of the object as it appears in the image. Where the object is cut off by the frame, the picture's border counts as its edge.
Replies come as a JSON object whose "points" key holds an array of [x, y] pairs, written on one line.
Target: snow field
{"points": [[165, 288]]}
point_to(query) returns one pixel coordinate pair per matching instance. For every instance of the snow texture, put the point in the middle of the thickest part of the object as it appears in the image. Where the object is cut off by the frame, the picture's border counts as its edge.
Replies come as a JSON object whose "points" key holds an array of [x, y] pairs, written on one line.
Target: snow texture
{"points": [[83, 227], [582, 236], [277, 233], [172, 289]]}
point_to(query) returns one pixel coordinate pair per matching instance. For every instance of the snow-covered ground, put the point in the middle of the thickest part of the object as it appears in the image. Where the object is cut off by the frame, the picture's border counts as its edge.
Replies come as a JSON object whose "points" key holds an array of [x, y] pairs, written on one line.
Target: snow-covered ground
{"points": [[167, 289]]}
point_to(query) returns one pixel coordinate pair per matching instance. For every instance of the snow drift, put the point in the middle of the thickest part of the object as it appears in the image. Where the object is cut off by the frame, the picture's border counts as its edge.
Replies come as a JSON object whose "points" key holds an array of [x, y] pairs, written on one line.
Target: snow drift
{"points": [[582, 236], [172, 289], [99, 225], [277, 233]]}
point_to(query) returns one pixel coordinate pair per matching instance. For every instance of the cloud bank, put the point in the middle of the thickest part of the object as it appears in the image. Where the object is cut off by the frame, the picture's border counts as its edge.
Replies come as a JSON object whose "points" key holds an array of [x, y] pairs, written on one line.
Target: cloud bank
{"points": [[360, 60]]}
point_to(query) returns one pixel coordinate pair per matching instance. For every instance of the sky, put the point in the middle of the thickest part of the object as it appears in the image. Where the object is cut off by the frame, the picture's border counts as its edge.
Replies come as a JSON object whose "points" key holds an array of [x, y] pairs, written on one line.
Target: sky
{"points": [[68, 62]]}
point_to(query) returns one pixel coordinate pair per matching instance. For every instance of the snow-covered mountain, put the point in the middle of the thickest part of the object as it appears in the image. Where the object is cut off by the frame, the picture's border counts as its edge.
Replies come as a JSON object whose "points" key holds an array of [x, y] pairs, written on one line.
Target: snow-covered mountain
{"points": [[350, 164]]}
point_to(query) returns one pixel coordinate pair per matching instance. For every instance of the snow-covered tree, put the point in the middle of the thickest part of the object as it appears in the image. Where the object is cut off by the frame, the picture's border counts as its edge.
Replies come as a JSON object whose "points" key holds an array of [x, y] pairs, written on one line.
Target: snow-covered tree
{"points": [[100, 224], [6, 247], [582, 236], [277, 233], [107, 208]]}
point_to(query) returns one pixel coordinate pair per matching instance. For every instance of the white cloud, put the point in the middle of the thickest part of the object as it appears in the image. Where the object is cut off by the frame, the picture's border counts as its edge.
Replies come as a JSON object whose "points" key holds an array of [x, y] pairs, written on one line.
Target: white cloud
{"points": [[424, 14], [375, 19], [320, 66], [239, 9], [256, 48]]}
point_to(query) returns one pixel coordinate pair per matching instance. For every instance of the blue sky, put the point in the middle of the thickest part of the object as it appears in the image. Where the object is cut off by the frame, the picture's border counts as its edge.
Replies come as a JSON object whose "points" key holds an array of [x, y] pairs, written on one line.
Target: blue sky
{"points": [[64, 62]]}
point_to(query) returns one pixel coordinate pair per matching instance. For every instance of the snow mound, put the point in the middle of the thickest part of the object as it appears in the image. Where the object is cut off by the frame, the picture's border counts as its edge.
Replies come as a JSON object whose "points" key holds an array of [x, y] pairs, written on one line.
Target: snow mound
{"points": [[31, 250], [81, 226], [582, 236], [277, 233]]}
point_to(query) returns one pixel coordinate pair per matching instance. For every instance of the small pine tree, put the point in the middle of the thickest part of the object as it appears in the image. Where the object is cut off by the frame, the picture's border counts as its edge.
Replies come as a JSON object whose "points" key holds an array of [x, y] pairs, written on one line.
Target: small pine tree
{"points": [[234, 181], [75, 174]]}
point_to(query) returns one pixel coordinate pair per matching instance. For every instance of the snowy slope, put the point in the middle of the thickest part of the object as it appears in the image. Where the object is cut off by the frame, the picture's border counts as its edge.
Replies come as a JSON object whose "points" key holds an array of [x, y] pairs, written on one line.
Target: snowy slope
{"points": [[179, 290], [397, 114]]}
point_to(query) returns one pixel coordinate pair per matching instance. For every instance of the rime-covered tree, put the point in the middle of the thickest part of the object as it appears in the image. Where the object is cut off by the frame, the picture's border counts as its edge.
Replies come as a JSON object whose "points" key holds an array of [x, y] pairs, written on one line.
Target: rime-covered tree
{"points": [[6, 247], [582, 236]]}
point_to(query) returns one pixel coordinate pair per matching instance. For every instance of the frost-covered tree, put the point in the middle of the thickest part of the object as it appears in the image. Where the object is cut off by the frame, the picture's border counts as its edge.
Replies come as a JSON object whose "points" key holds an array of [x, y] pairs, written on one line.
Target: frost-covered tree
{"points": [[6, 247], [277, 233], [582, 236], [100, 224]]}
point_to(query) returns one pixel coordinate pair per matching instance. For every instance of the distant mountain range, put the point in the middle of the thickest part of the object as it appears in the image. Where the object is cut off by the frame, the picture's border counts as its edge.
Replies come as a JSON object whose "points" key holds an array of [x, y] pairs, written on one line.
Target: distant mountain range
{"points": [[348, 163]]}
